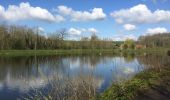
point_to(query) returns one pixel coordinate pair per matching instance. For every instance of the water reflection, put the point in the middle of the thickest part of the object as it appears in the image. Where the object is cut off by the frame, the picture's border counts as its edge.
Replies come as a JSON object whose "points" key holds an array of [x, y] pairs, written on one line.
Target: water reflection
{"points": [[129, 57], [21, 74], [154, 61]]}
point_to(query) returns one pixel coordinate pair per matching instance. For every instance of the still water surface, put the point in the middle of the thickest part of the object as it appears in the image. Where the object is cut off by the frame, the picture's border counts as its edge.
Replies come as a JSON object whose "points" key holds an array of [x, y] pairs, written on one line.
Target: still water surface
{"points": [[19, 75]]}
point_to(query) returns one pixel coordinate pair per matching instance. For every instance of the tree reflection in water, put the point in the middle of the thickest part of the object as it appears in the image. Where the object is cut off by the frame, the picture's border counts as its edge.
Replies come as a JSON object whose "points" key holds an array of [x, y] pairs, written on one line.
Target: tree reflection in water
{"points": [[83, 75]]}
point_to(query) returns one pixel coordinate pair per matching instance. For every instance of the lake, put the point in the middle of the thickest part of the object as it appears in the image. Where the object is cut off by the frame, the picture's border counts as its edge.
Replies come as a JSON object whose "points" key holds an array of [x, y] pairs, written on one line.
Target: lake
{"points": [[21, 75]]}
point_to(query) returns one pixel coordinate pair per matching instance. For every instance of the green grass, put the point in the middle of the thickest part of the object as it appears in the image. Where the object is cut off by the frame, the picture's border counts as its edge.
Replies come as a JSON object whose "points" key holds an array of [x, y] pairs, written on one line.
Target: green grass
{"points": [[141, 82], [78, 51], [127, 90], [147, 50], [53, 52]]}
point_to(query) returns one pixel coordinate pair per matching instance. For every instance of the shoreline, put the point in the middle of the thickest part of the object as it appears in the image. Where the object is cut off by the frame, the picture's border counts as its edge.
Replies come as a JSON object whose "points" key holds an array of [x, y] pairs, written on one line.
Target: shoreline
{"points": [[149, 84], [79, 51]]}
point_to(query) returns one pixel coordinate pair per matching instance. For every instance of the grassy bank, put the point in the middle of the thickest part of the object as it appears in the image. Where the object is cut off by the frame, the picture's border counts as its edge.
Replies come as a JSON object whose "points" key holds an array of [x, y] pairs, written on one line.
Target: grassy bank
{"points": [[53, 52], [139, 86], [147, 50], [79, 51]]}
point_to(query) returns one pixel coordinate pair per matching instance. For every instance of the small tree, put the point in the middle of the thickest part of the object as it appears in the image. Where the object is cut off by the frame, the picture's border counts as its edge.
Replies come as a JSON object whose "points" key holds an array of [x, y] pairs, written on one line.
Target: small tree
{"points": [[125, 46], [130, 43], [62, 33]]}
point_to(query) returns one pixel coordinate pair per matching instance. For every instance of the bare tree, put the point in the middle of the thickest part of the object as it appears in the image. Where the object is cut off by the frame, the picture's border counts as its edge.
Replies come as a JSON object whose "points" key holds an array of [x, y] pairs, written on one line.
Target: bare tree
{"points": [[63, 33]]}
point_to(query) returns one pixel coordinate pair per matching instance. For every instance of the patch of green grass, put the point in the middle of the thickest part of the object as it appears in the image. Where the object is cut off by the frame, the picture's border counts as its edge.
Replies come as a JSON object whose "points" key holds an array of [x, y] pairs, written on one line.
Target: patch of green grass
{"points": [[128, 90], [80, 51], [53, 52]]}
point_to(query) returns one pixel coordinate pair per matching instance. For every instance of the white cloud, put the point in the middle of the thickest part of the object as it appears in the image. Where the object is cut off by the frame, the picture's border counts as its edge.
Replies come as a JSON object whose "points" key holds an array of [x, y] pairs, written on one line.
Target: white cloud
{"points": [[140, 14], [129, 27], [94, 14], [123, 37], [157, 30], [74, 31], [41, 29], [25, 11], [92, 30], [64, 10]]}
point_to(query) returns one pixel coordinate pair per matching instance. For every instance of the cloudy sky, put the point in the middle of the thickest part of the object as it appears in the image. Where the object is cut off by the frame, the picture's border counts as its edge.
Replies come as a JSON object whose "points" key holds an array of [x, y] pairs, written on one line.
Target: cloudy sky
{"points": [[115, 19]]}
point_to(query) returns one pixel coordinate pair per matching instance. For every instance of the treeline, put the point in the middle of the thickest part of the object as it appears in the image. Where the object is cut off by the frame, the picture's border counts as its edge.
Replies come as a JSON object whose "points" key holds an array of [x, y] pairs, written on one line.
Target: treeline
{"points": [[157, 40], [21, 37]]}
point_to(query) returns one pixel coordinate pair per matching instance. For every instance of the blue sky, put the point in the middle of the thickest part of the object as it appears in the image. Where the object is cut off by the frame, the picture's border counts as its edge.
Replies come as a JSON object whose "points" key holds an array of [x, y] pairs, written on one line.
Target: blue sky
{"points": [[117, 20]]}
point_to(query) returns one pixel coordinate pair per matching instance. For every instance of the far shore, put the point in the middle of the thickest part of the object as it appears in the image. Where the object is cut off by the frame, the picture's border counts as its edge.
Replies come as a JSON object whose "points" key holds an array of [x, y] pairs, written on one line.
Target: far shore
{"points": [[79, 51]]}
